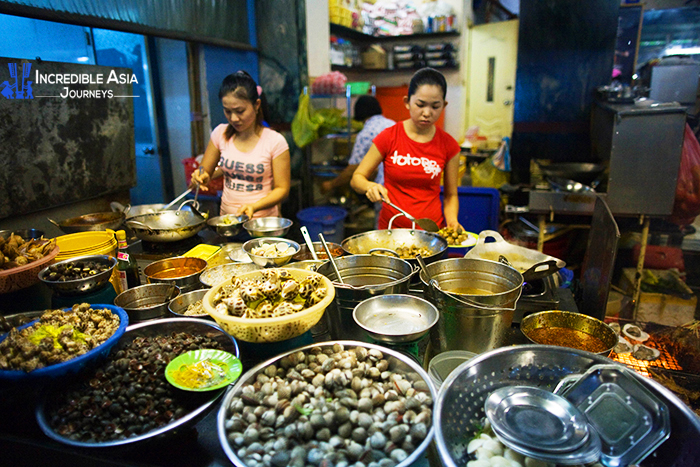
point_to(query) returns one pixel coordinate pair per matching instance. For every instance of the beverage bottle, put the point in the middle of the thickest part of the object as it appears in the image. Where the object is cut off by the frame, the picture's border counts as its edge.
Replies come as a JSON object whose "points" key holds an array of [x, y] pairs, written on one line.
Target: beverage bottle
{"points": [[126, 264]]}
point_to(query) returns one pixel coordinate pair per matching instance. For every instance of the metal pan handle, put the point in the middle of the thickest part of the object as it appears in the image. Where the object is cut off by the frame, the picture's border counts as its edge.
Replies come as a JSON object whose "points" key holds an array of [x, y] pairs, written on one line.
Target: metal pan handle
{"points": [[486, 234]]}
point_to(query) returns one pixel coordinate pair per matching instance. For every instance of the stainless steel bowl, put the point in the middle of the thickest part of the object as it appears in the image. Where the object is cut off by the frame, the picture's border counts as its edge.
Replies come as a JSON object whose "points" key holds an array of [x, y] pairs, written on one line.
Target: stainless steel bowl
{"points": [[146, 301], [268, 227], [309, 264], [227, 225], [178, 305], [200, 403], [395, 319], [304, 253], [218, 274], [264, 261], [79, 286], [183, 271], [397, 362]]}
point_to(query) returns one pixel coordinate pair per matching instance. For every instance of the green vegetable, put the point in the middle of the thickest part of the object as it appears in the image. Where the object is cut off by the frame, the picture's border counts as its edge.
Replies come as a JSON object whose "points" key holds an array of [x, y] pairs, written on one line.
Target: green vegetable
{"points": [[302, 410], [48, 330]]}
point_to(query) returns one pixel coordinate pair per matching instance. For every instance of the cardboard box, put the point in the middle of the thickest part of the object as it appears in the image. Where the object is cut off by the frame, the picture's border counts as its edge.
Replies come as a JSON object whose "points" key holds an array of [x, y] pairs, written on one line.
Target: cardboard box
{"points": [[374, 58], [669, 310]]}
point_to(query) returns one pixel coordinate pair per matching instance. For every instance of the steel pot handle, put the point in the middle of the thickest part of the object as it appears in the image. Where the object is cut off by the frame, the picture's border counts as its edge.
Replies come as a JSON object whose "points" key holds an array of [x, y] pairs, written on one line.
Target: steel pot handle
{"points": [[53, 222], [468, 302], [140, 225], [391, 221]]}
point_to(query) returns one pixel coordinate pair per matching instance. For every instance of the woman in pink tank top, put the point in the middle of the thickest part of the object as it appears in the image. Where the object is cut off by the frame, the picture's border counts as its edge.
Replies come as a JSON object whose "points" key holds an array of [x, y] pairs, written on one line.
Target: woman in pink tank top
{"points": [[254, 159]]}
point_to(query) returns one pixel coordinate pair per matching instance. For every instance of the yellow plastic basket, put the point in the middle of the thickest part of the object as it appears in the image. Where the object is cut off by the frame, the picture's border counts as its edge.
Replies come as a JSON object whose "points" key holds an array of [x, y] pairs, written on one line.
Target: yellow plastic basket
{"points": [[260, 330]]}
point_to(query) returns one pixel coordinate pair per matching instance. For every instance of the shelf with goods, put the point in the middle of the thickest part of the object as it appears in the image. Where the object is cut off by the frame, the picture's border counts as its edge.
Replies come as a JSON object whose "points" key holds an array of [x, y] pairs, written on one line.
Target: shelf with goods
{"points": [[353, 51], [328, 155]]}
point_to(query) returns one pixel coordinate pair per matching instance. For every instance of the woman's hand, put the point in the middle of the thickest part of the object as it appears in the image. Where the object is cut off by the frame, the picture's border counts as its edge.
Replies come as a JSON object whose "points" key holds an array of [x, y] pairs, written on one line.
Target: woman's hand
{"points": [[377, 192], [454, 225], [246, 209], [202, 177]]}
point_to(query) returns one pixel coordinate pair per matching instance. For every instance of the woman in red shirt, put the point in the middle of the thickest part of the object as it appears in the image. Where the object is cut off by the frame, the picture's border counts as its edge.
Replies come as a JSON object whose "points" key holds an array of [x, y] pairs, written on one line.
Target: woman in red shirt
{"points": [[415, 154]]}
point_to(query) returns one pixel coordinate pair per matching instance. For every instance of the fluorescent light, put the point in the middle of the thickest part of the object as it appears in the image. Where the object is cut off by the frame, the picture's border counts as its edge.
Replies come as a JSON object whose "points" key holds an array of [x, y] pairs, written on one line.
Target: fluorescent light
{"points": [[677, 50], [83, 59]]}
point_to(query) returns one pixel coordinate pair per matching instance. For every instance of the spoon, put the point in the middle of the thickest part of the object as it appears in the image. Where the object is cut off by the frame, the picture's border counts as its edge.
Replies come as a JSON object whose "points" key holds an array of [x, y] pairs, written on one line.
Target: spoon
{"points": [[330, 258], [171, 293], [309, 243], [426, 224]]}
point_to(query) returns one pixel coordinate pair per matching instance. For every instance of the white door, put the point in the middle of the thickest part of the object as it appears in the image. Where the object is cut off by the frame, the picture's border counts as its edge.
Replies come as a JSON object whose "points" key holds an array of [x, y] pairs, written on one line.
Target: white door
{"points": [[492, 64]]}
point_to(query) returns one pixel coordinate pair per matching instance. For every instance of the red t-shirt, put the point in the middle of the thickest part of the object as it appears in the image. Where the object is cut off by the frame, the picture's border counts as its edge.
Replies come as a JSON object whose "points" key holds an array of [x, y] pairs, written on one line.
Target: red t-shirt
{"points": [[412, 173]]}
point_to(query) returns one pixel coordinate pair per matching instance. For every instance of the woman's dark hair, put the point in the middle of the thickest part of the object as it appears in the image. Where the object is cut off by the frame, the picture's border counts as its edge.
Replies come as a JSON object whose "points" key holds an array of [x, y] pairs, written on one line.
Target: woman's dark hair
{"points": [[427, 76], [242, 86], [365, 107]]}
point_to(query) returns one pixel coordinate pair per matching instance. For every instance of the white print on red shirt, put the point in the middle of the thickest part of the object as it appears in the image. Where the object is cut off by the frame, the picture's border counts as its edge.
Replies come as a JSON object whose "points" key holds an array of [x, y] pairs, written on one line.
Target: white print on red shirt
{"points": [[430, 166]]}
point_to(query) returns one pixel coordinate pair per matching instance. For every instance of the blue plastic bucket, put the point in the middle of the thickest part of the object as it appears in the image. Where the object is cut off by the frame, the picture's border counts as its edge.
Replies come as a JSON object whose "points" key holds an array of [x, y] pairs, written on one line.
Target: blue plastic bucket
{"points": [[327, 220]]}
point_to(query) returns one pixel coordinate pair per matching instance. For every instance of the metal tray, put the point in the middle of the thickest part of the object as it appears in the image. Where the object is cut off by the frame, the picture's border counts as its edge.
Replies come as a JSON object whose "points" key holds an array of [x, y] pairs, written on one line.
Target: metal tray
{"points": [[629, 419], [532, 264], [536, 418]]}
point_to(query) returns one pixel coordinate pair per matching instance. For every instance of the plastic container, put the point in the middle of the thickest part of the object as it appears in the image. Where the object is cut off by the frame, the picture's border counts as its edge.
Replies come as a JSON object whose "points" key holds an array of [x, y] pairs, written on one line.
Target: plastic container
{"points": [[191, 165], [442, 364], [478, 208], [327, 220], [359, 87]]}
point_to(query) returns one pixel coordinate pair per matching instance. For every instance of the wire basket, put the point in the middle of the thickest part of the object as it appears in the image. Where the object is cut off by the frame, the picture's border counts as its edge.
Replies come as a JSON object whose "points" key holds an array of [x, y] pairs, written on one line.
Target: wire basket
{"points": [[281, 328], [459, 410]]}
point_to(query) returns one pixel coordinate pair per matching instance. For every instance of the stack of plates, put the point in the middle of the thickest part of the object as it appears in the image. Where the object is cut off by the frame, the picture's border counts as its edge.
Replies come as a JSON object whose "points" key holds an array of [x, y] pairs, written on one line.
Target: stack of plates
{"points": [[542, 425], [86, 243], [602, 415]]}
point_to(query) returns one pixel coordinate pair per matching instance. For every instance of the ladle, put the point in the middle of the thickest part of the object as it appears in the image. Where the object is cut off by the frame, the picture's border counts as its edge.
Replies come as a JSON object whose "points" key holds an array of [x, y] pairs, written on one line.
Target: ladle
{"points": [[426, 224], [330, 257], [176, 200], [309, 243], [433, 283]]}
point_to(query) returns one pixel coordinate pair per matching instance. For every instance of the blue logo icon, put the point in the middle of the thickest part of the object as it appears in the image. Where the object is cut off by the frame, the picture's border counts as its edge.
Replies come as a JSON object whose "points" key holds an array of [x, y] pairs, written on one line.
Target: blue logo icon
{"points": [[22, 89]]}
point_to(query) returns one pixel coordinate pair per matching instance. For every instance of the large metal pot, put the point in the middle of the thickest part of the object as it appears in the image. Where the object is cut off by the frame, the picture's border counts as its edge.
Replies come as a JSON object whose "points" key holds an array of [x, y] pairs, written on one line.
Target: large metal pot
{"points": [[90, 222], [390, 239], [364, 276], [166, 226], [476, 299]]}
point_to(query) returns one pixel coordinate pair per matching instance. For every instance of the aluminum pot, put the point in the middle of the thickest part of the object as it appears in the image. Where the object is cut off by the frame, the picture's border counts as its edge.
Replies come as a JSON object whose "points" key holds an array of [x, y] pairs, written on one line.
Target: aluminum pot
{"points": [[182, 271], [146, 301], [361, 244], [166, 226], [90, 222], [476, 299], [365, 276]]}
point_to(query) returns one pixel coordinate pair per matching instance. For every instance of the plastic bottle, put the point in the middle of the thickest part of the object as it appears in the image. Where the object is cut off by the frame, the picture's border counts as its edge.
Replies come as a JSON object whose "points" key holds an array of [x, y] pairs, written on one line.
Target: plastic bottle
{"points": [[126, 264]]}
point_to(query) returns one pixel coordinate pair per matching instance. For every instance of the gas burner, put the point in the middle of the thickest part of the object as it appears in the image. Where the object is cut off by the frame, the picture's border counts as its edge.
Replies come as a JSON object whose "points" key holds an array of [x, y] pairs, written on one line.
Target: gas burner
{"points": [[178, 247], [536, 287], [537, 295]]}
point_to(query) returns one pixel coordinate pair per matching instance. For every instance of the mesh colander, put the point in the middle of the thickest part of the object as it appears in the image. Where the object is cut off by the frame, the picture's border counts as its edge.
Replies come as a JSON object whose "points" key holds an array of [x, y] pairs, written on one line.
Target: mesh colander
{"points": [[459, 409]]}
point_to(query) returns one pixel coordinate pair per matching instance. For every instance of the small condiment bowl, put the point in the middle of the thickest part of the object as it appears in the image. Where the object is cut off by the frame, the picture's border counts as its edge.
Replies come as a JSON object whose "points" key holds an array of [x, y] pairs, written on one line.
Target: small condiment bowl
{"points": [[395, 318], [304, 253], [178, 305], [228, 367], [268, 226], [556, 320], [227, 225], [267, 262], [146, 301]]}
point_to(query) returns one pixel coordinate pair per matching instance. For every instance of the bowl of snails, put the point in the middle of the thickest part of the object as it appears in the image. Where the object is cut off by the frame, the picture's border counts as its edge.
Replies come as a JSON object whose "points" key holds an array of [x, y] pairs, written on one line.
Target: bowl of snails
{"points": [[269, 305]]}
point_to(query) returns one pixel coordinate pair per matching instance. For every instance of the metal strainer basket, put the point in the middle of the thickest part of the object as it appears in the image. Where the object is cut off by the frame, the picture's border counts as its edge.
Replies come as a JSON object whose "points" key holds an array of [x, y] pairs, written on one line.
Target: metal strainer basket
{"points": [[459, 409]]}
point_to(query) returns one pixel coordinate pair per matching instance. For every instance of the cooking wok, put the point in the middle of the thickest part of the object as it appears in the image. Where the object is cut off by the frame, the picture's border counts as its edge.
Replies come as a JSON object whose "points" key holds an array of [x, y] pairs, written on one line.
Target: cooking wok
{"points": [[582, 172], [166, 226], [88, 222], [133, 211], [390, 239]]}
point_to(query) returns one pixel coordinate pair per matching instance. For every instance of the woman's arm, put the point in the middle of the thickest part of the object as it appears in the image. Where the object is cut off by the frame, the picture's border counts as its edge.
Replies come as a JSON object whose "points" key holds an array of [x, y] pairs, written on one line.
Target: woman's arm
{"points": [[281, 181], [361, 178], [450, 195], [209, 164]]}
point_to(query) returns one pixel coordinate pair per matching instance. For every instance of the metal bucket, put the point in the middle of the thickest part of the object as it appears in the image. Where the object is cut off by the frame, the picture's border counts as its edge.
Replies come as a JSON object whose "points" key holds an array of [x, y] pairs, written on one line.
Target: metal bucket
{"points": [[365, 276], [477, 313]]}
